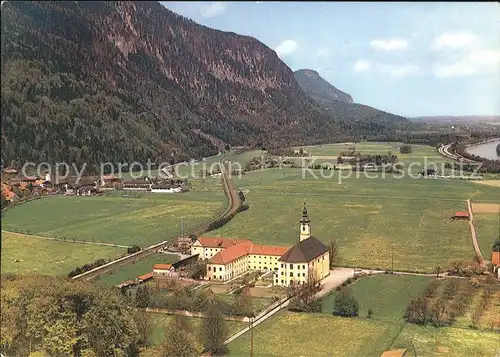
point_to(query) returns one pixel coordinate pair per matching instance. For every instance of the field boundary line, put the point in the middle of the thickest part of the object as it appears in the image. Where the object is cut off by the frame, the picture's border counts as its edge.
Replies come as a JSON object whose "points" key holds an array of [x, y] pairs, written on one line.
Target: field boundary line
{"points": [[234, 203], [67, 240]]}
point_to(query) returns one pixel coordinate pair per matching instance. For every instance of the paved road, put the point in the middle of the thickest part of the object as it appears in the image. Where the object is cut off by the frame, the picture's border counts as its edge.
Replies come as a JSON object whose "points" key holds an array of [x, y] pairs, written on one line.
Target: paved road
{"points": [[69, 240]]}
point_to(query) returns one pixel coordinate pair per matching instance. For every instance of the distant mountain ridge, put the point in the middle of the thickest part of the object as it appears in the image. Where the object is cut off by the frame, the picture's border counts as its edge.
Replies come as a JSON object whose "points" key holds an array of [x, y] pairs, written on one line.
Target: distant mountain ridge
{"points": [[458, 118], [319, 89], [128, 81]]}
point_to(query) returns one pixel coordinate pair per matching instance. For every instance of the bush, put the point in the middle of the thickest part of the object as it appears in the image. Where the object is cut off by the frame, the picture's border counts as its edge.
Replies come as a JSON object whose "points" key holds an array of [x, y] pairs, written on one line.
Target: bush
{"points": [[417, 311], [345, 305], [87, 267], [405, 149], [133, 249], [369, 313]]}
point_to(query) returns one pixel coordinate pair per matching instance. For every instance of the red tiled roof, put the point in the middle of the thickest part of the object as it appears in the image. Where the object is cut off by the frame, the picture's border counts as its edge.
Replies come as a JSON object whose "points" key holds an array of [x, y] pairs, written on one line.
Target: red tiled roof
{"points": [[258, 249], [145, 276], [162, 266], [461, 214], [233, 252], [217, 242], [243, 248], [495, 258]]}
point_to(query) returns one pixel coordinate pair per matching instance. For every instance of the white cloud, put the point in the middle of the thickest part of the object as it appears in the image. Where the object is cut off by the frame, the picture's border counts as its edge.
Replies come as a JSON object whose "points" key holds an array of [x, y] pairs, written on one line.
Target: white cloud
{"points": [[487, 58], [454, 41], [361, 66], [484, 61], [389, 44], [323, 52], [286, 48], [213, 9], [399, 71]]}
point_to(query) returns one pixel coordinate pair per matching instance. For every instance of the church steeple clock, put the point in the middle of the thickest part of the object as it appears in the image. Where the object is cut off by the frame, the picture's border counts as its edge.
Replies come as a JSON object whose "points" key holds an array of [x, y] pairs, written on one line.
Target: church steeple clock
{"points": [[305, 225]]}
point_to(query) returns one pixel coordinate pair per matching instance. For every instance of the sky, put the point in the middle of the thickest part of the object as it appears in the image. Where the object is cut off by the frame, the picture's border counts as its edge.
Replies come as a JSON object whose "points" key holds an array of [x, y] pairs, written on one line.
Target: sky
{"points": [[411, 59]]}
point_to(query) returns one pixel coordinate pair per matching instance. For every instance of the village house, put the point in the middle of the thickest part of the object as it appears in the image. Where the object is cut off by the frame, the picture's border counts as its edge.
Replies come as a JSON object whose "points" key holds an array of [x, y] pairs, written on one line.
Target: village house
{"points": [[228, 258], [163, 270]]}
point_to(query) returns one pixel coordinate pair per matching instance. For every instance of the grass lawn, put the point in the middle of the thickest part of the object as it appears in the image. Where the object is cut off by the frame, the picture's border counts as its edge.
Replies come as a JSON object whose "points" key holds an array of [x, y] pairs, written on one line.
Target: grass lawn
{"points": [[316, 335], [448, 341], [115, 219], [161, 321], [258, 303], [369, 217], [487, 230], [191, 170], [49, 257], [387, 295], [141, 267]]}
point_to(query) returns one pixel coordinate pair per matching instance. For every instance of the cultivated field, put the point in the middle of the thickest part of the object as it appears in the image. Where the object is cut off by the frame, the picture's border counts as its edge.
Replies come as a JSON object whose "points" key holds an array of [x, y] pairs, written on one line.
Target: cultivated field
{"points": [[386, 295], [485, 207], [325, 335], [49, 257], [494, 183], [373, 219], [141, 267], [144, 220]]}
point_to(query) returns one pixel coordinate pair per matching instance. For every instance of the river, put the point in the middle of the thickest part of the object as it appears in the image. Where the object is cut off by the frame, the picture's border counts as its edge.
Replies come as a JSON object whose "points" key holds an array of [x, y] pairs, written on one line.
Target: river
{"points": [[486, 150]]}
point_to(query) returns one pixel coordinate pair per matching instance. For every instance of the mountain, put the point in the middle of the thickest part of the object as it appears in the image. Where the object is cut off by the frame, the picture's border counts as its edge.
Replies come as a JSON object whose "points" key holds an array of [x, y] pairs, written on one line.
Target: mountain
{"points": [[341, 104], [319, 89], [448, 119], [130, 81]]}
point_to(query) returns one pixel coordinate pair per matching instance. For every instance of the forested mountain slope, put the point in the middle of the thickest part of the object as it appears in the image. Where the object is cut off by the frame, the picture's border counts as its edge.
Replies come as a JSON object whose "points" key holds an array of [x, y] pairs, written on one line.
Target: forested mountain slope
{"points": [[121, 81]]}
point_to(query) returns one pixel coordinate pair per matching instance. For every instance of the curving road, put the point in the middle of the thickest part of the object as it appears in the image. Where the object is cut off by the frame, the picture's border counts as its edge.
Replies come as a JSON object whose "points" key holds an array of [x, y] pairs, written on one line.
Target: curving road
{"points": [[234, 204]]}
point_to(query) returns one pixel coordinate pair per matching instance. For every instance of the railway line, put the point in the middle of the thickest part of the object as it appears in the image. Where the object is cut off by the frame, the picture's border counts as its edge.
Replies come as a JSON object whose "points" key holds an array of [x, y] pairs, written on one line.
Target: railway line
{"points": [[232, 208]]}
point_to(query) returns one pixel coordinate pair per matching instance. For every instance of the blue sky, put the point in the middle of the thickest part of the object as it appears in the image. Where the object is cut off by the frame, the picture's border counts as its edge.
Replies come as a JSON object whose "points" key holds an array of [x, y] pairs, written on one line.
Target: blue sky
{"points": [[410, 59]]}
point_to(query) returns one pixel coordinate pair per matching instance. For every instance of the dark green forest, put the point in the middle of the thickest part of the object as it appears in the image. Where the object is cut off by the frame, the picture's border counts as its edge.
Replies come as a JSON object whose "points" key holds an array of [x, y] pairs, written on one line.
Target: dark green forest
{"points": [[131, 81]]}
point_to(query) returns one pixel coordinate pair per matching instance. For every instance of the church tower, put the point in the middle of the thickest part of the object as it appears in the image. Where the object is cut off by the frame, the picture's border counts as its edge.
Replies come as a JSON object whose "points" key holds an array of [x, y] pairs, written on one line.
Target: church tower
{"points": [[305, 225]]}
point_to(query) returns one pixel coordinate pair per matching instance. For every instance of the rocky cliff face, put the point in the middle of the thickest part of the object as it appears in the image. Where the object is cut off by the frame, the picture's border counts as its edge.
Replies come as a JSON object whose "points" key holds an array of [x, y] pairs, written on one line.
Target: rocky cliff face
{"points": [[121, 81], [319, 89]]}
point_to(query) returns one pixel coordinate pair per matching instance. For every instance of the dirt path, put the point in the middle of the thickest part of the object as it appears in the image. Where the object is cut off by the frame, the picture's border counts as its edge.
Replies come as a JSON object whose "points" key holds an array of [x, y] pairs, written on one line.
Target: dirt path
{"points": [[474, 236], [69, 240]]}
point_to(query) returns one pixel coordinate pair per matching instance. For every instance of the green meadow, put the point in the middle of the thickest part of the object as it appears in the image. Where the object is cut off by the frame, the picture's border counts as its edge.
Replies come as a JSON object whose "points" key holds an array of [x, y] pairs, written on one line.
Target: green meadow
{"points": [[160, 324], [386, 295], [141, 218], [487, 230], [140, 267], [49, 257], [375, 220]]}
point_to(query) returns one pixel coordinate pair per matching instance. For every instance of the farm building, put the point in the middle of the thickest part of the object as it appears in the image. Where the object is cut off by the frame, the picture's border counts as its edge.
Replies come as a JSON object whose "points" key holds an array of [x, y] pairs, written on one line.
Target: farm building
{"points": [[461, 215], [126, 284], [145, 277], [163, 270], [166, 188]]}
